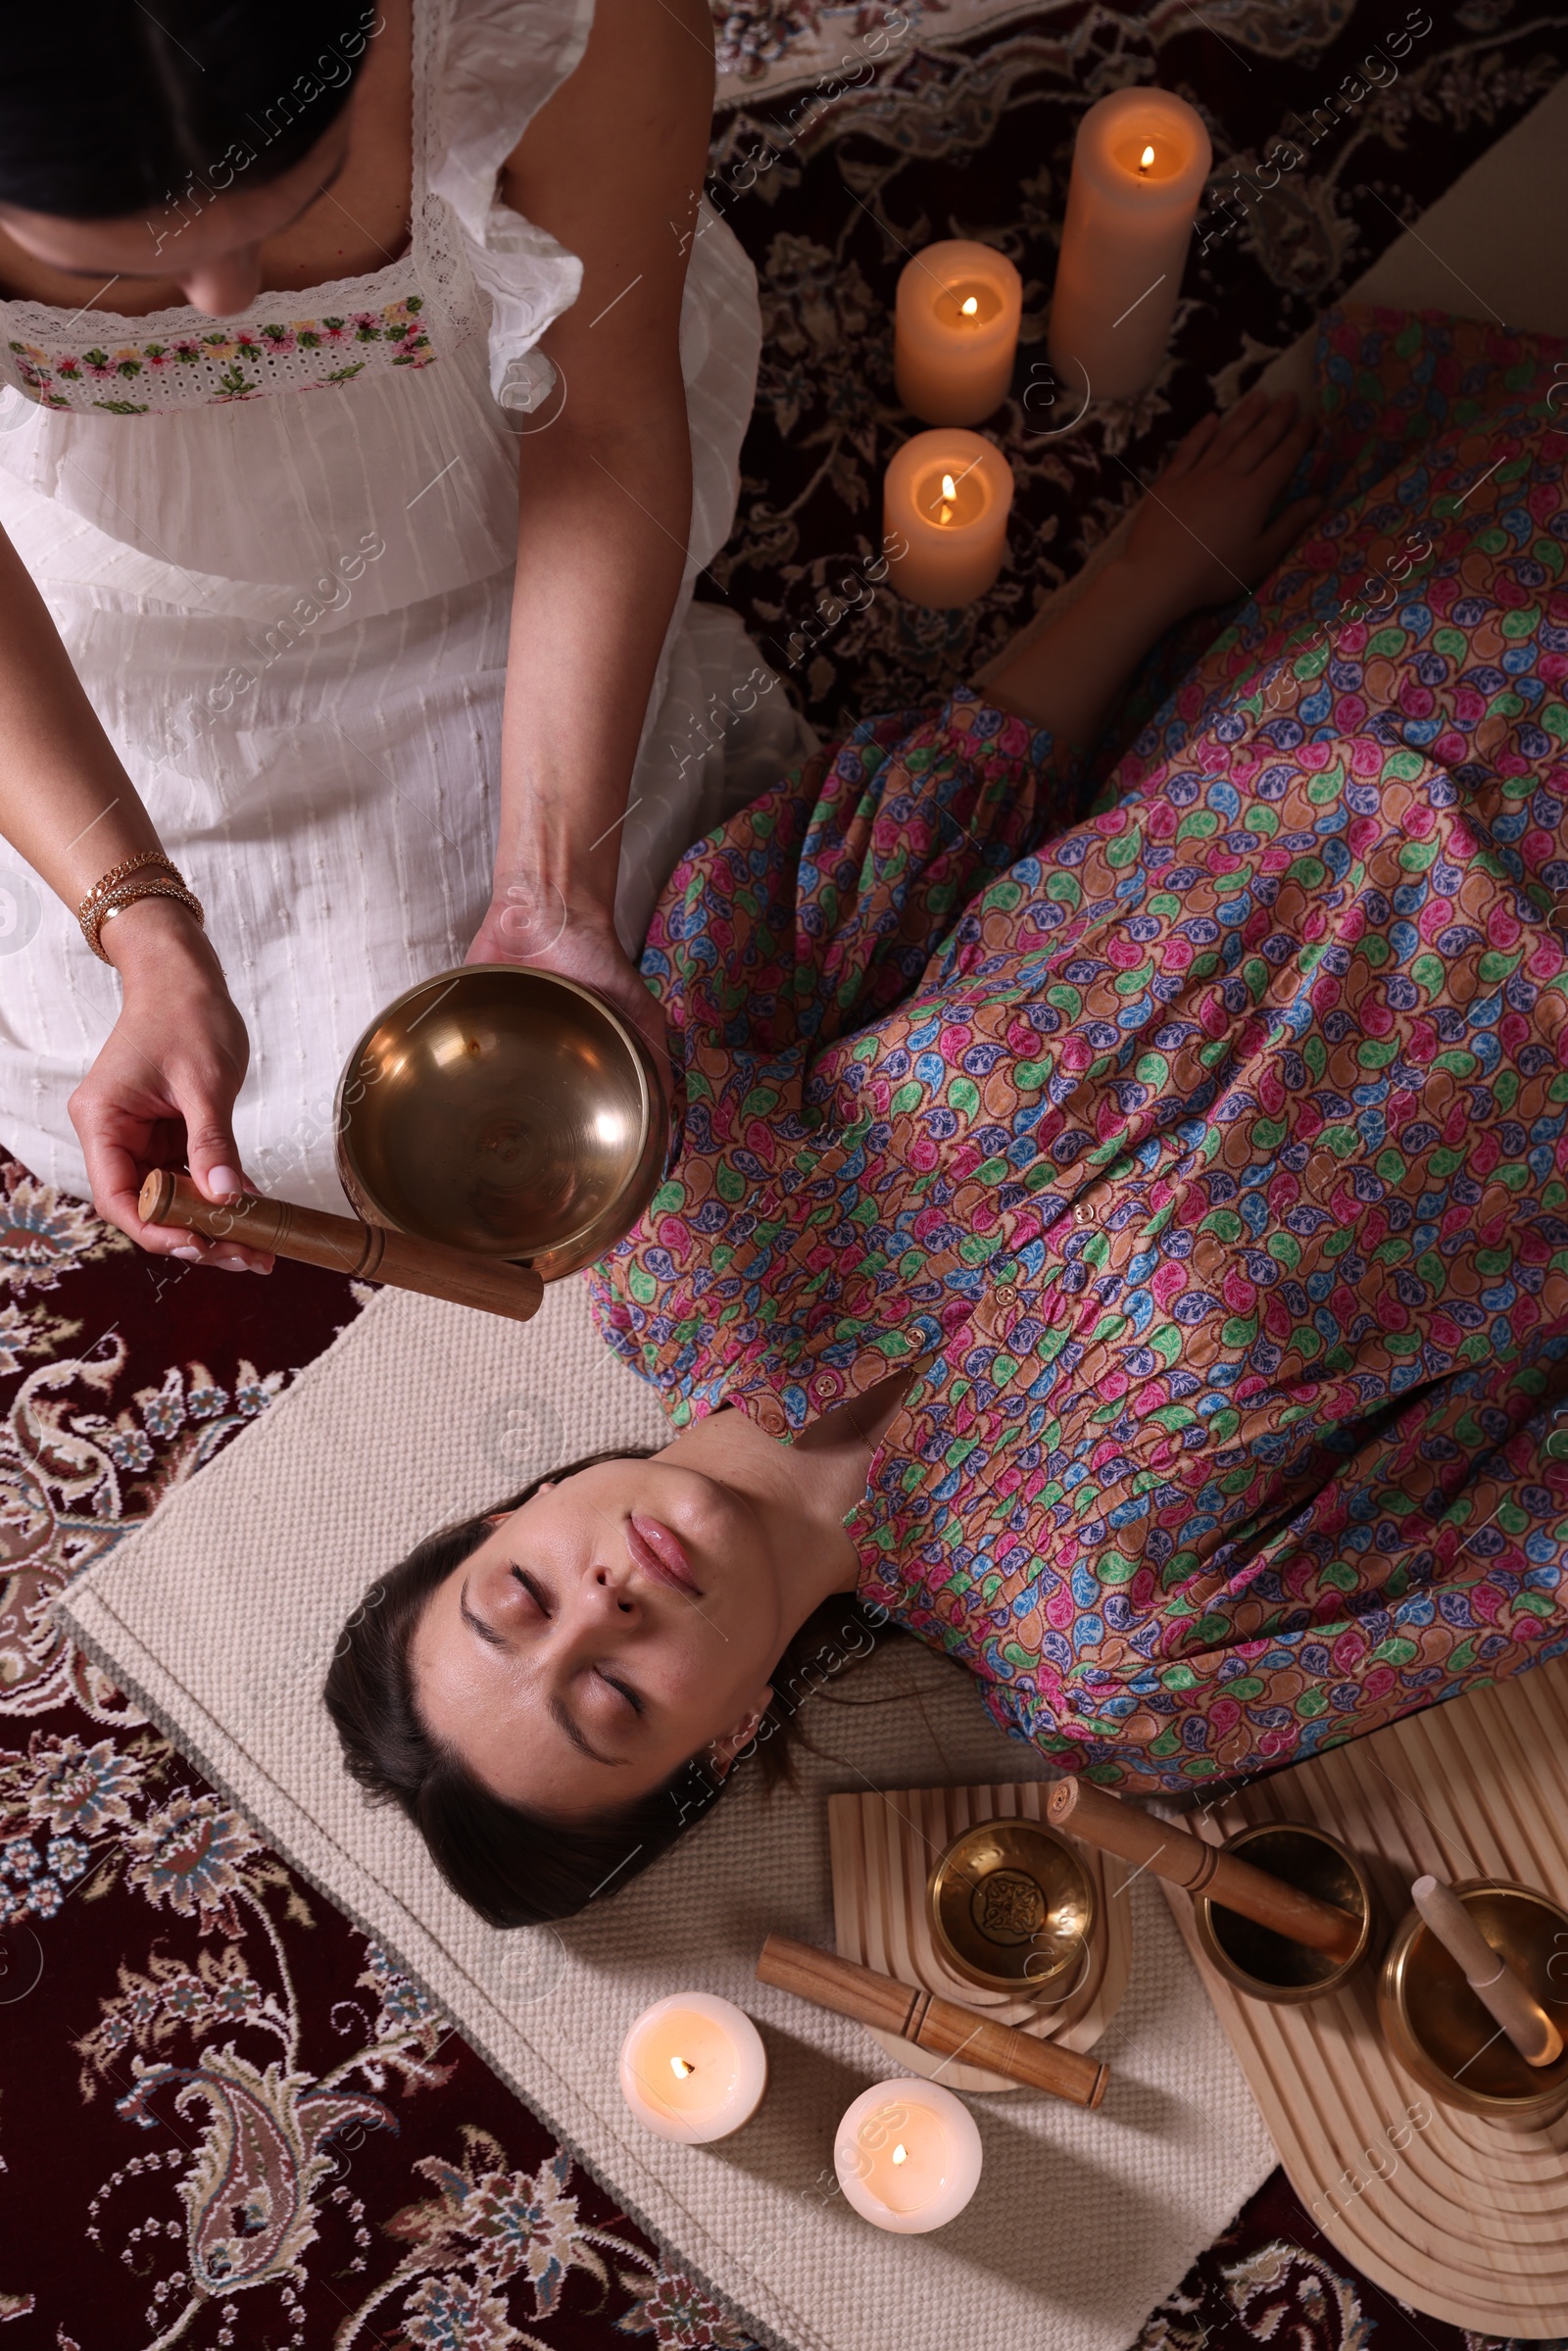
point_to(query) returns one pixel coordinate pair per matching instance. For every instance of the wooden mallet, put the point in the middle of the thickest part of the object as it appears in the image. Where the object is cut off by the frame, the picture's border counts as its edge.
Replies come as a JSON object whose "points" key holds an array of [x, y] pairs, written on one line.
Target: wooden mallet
{"points": [[1103, 1819], [368, 1252]]}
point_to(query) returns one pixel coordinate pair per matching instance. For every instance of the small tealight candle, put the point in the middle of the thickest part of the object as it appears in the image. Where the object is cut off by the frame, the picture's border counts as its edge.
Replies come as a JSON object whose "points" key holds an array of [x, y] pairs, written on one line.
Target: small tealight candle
{"points": [[693, 2068], [907, 2156], [947, 495], [1138, 165], [956, 331]]}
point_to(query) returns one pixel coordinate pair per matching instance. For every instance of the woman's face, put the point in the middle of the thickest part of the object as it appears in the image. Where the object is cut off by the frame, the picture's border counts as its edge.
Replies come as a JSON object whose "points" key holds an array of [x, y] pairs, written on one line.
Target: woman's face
{"points": [[615, 1625], [214, 256]]}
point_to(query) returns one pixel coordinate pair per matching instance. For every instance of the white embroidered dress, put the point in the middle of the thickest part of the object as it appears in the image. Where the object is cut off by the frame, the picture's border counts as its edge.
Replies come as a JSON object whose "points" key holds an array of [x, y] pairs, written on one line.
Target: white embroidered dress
{"points": [[279, 550]]}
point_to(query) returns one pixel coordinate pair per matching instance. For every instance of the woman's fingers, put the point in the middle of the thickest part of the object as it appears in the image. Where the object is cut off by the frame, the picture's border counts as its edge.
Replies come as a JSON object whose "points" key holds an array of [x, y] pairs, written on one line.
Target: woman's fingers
{"points": [[214, 1160], [1191, 447], [1267, 432], [1236, 422]]}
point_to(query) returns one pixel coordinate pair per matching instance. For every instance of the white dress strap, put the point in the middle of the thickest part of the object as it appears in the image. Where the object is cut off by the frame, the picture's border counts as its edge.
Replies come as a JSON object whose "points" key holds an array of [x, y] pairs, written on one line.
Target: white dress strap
{"points": [[500, 62]]}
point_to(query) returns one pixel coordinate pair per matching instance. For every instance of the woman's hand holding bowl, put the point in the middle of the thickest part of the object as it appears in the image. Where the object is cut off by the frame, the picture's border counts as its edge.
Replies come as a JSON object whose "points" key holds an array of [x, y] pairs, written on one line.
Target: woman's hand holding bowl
{"points": [[529, 922]]}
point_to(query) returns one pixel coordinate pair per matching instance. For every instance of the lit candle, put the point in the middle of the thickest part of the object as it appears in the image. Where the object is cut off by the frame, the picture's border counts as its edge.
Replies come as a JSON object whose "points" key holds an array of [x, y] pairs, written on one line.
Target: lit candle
{"points": [[956, 331], [907, 2156], [1137, 169], [693, 2068], [947, 495]]}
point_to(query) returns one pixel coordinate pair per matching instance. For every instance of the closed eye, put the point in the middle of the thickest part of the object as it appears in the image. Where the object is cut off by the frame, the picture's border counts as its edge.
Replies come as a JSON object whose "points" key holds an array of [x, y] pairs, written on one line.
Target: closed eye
{"points": [[533, 1587], [630, 1696]]}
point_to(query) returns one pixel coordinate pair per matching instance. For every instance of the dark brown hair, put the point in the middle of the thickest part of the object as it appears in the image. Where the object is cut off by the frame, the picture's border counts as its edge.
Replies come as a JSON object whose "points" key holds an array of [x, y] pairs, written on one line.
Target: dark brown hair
{"points": [[515, 1867], [108, 109]]}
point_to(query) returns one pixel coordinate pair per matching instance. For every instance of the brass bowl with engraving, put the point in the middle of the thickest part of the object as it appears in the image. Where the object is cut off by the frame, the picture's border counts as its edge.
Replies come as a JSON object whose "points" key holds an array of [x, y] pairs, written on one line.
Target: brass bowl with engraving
{"points": [[1272, 1966], [1440, 2031], [506, 1111], [1012, 1907]]}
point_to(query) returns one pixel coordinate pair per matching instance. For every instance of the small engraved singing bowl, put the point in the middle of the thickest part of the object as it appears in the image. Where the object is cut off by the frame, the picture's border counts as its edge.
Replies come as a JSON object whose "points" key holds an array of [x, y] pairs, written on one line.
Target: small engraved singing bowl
{"points": [[504, 1111], [1445, 2037], [1271, 1966], [1013, 1908]]}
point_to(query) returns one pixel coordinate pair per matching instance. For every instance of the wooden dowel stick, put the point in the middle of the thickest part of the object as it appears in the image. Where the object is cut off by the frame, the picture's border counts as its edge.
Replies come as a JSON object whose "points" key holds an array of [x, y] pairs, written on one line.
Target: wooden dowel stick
{"points": [[1510, 2003], [368, 1252], [943, 2026], [1202, 1869]]}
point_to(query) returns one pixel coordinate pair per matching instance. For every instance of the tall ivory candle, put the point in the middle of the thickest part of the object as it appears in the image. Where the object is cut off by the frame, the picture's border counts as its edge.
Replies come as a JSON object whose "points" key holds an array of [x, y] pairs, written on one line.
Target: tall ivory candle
{"points": [[1139, 166], [956, 331], [907, 2156], [693, 2068], [948, 495]]}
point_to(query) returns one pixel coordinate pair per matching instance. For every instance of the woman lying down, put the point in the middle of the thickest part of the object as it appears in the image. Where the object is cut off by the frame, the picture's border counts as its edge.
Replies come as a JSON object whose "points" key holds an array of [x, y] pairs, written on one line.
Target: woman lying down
{"points": [[1127, 1247]]}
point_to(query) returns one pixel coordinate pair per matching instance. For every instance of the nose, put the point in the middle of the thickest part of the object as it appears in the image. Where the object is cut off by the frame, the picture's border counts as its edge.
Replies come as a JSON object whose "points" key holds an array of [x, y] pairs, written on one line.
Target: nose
{"points": [[609, 1593], [226, 284]]}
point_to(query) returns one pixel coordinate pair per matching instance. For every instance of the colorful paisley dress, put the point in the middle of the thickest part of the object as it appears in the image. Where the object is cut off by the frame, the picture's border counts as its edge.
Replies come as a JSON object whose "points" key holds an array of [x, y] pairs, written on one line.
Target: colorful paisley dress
{"points": [[1210, 1143]]}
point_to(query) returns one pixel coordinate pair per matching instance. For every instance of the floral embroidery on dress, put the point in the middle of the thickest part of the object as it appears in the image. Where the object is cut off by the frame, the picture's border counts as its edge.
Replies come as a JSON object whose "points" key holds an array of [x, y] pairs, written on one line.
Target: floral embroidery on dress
{"points": [[224, 364]]}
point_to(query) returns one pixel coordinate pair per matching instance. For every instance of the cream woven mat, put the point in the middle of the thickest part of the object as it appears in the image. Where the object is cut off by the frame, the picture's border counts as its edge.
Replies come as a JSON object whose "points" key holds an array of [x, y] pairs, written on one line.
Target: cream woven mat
{"points": [[219, 1617]]}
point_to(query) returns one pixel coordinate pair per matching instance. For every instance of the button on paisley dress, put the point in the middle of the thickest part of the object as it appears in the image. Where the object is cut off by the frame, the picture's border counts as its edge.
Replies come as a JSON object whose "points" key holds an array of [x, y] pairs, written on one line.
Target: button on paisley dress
{"points": [[1206, 1147]]}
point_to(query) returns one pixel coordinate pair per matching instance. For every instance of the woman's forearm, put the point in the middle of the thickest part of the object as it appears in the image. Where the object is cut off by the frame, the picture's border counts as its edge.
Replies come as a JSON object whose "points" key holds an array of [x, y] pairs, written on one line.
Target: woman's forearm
{"points": [[65, 803], [603, 518]]}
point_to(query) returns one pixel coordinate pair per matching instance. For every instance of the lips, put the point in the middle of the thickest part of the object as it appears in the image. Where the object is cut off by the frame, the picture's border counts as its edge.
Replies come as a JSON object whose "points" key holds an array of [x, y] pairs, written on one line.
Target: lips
{"points": [[660, 1554]]}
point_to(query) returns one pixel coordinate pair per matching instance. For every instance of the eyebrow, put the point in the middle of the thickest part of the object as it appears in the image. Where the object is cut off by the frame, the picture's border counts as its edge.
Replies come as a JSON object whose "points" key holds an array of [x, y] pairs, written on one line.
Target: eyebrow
{"points": [[553, 1707], [159, 276]]}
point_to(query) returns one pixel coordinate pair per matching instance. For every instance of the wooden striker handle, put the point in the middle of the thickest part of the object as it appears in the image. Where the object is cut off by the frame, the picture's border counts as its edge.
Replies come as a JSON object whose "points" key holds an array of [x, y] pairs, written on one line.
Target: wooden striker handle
{"points": [[1202, 1869], [344, 1245], [1510, 2003], [943, 2026]]}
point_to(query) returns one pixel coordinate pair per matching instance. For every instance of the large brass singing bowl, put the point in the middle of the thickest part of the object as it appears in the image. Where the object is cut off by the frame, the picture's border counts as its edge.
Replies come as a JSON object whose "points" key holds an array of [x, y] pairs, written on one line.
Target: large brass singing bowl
{"points": [[1445, 2036], [506, 1111], [1013, 1908]]}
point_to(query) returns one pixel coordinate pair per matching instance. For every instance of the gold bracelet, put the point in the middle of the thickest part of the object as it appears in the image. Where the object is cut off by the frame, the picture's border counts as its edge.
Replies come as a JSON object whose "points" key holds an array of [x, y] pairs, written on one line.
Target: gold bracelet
{"points": [[155, 886], [122, 872]]}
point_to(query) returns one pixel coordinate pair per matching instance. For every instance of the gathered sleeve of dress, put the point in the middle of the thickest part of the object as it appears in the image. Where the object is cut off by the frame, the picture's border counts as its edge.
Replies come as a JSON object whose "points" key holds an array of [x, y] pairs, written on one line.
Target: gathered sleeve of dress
{"points": [[501, 65], [821, 906]]}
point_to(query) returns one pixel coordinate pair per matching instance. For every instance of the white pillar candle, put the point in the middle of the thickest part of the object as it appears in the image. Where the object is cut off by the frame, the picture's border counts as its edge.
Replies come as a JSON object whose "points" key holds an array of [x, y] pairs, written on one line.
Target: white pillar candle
{"points": [[693, 2068], [1138, 165], [907, 2156], [947, 494], [956, 331]]}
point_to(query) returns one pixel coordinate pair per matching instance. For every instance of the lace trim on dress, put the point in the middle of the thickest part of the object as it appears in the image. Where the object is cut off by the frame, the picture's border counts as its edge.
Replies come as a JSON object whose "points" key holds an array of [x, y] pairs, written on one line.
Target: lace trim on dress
{"points": [[223, 364]]}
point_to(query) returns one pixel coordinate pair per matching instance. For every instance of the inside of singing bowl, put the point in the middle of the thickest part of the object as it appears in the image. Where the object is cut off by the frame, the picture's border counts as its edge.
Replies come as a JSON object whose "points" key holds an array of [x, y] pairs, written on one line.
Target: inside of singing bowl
{"points": [[1452, 2028], [1317, 1865], [498, 1110], [1012, 1907]]}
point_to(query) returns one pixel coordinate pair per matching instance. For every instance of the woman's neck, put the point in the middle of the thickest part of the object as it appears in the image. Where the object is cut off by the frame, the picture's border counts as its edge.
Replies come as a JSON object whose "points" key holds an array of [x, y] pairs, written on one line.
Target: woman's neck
{"points": [[802, 1493]]}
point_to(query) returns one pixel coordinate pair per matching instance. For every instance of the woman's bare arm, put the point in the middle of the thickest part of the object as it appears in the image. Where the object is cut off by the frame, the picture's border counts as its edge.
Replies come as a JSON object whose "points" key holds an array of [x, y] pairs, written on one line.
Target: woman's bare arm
{"points": [[608, 168], [163, 1086]]}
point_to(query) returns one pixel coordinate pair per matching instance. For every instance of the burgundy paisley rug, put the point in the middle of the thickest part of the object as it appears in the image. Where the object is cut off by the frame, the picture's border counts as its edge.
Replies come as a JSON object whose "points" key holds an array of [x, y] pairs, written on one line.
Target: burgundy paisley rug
{"points": [[225, 2119]]}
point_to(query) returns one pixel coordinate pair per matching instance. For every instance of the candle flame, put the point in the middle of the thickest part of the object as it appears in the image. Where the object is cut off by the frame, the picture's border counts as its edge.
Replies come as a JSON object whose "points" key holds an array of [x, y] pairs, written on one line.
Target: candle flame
{"points": [[971, 307], [1145, 159], [680, 2067], [950, 488], [901, 2153]]}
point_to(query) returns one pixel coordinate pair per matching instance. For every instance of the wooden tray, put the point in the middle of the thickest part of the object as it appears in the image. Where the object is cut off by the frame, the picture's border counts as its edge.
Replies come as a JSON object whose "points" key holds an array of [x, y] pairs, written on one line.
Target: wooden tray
{"points": [[1459, 2217], [883, 1843]]}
